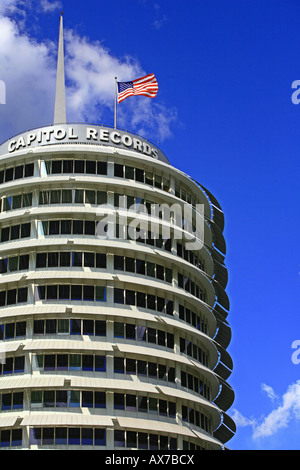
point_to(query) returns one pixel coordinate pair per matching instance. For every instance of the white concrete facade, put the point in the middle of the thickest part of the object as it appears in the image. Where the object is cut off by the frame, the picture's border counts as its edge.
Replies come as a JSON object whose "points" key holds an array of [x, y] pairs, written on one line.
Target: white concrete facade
{"points": [[109, 343]]}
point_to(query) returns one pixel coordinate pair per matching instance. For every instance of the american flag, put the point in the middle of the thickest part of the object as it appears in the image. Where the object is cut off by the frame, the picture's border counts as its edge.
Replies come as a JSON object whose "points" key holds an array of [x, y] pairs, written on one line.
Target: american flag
{"points": [[146, 86]]}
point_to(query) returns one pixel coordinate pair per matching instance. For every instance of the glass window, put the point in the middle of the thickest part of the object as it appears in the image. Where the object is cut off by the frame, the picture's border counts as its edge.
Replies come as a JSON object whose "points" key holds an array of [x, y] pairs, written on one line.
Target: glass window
{"points": [[118, 170], [118, 330], [36, 398], [77, 227], [67, 166], [15, 232], [142, 440], [75, 362], [74, 436], [49, 398], [130, 331], [101, 294], [90, 167], [87, 399], [90, 197], [100, 328], [119, 401], [101, 168], [89, 227], [79, 166], [29, 169], [62, 362], [61, 436], [76, 292], [48, 436], [130, 297], [130, 402], [119, 263], [77, 259], [74, 399], [142, 404], [87, 362], [64, 259], [61, 398], [87, 438], [75, 326], [100, 399], [66, 227], [100, 363], [67, 196], [64, 292], [63, 325], [100, 437], [89, 260], [56, 166], [119, 365], [88, 327], [100, 260]]}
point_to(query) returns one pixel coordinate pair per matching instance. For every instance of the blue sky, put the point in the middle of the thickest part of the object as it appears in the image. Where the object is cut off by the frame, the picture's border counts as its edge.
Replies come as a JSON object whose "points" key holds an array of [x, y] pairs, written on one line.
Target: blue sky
{"points": [[224, 115]]}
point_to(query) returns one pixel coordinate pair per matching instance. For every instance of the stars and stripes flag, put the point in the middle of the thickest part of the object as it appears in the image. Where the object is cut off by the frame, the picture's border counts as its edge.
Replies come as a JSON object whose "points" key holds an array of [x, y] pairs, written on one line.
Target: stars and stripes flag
{"points": [[146, 86]]}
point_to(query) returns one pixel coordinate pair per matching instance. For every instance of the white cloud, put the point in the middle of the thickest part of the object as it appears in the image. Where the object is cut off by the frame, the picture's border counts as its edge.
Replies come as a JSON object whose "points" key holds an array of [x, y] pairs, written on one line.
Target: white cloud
{"points": [[28, 68], [269, 391], [48, 6], [288, 409], [282, 415], [240, 420]]}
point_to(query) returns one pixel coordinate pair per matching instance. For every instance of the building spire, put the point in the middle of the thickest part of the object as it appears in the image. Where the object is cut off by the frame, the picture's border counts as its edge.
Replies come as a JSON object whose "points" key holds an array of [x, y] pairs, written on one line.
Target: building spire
{"points": [[60, 93]]}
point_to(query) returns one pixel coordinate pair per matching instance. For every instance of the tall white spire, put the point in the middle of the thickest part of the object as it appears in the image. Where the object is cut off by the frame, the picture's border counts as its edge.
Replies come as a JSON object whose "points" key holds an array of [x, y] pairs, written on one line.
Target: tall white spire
{"points": [[60, 94]]}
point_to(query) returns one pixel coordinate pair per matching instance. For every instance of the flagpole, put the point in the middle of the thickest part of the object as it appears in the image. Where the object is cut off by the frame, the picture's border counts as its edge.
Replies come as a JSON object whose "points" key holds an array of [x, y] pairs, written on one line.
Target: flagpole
{"points": [[116, 86]]}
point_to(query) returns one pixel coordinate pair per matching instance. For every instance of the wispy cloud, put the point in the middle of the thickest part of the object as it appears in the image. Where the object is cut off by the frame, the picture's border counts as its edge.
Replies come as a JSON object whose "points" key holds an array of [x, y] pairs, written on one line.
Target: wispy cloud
{"points": [[28, 67], [287, 409], [50, 6]]}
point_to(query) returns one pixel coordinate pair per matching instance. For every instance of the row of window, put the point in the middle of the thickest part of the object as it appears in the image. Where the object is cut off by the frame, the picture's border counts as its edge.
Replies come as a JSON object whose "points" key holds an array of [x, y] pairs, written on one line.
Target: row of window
{"points": [[186, 315], [16, 172], [93, 167], [138, 266], [15, 232], [192, 350], [13, 296], [92, 436], [97, 363], [98, 260], [144, 441], [93, 197], [86, 293], [96, 399], [140, 299], [69, 362], [10, 437], [77, 326], [97, 437], [67, 436], [72, 196], [18, 201], [88, 227], [68, 259], [189, 286], [143, 333], [71, 292], [11, 401], [69, 166], [13, 365], [191, 382], [66, 326], [68, 399]]}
